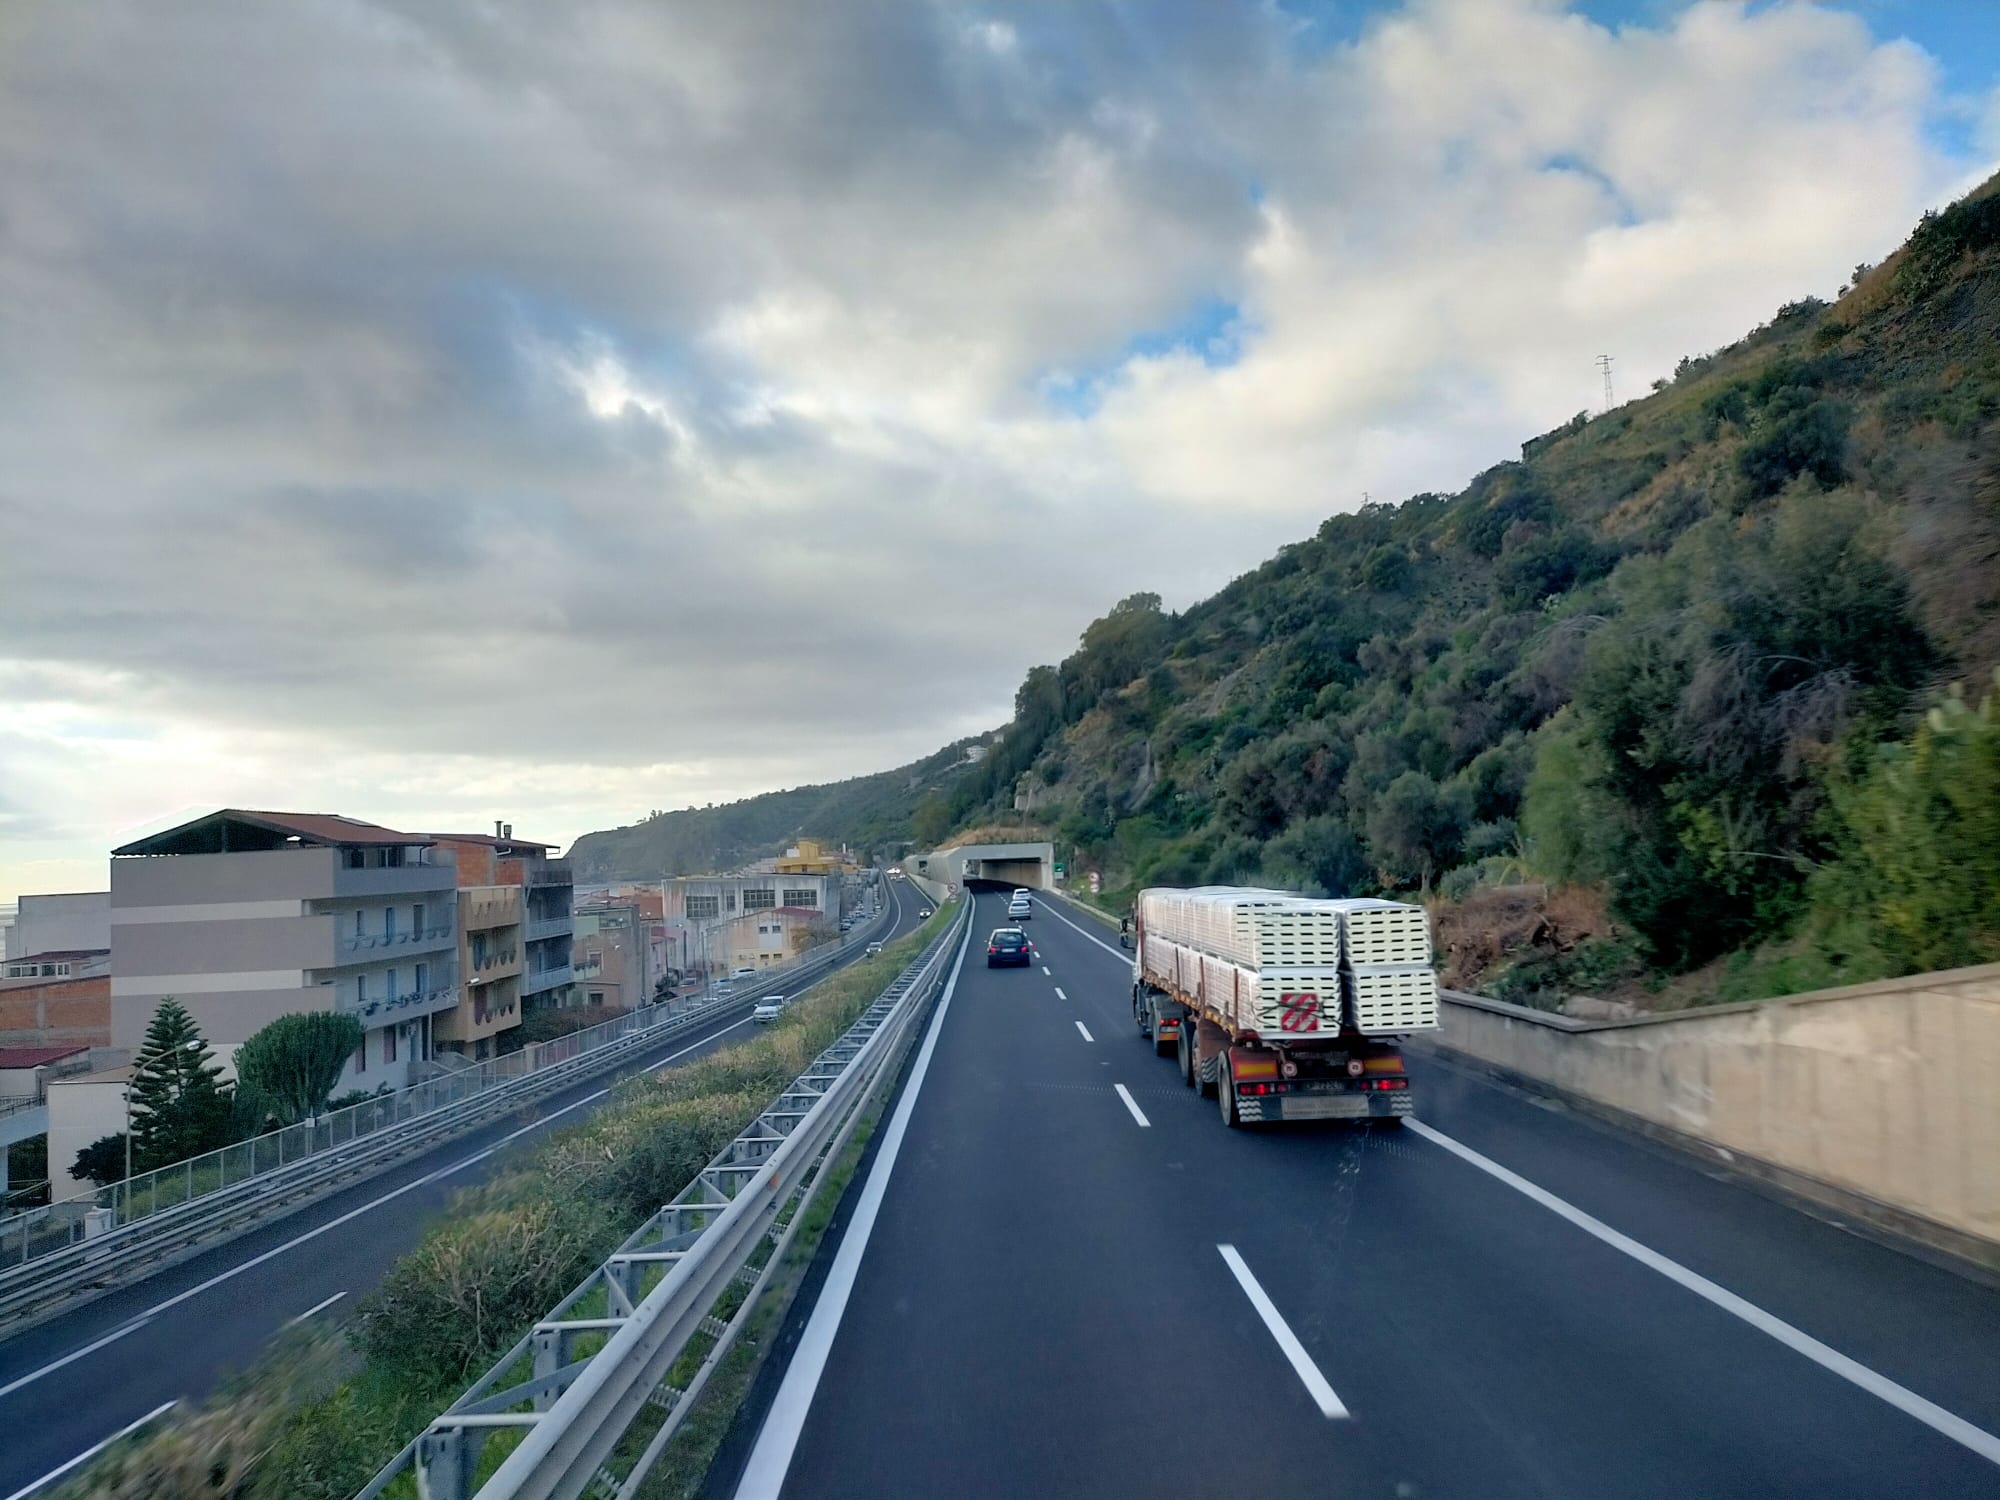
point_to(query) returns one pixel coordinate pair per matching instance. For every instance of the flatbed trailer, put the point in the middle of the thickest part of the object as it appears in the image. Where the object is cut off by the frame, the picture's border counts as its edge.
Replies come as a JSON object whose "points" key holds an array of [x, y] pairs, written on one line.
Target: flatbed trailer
{"points": [[1258, 996]]}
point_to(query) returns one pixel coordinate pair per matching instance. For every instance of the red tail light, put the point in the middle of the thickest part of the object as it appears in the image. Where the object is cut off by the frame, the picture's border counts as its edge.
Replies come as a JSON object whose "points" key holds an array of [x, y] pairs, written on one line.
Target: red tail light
{"points": [[992, 950]]}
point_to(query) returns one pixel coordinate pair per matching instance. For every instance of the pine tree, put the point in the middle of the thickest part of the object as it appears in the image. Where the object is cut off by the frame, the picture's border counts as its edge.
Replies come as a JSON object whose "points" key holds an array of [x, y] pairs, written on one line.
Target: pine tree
{"points": [[179, 1106]]}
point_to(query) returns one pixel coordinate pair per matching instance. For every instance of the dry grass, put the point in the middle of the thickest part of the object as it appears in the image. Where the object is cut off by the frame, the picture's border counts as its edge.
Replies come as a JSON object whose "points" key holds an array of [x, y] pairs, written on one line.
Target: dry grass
{"points": [[1499, 925]]}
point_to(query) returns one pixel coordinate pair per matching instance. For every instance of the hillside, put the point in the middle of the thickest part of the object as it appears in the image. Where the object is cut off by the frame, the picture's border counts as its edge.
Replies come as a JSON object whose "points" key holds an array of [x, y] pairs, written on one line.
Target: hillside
{"points": [[1654, 693], [1655, 656], [868, 813]]}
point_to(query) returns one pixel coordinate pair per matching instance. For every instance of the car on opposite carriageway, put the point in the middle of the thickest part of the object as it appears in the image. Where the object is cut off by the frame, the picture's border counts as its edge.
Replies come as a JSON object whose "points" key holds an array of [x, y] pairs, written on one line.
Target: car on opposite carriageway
{"points": [[1009, 946]]}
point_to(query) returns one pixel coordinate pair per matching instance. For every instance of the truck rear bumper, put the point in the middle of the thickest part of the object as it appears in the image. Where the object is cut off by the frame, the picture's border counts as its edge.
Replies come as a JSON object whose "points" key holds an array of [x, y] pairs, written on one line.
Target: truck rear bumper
{"points": [[1373, 1106]]}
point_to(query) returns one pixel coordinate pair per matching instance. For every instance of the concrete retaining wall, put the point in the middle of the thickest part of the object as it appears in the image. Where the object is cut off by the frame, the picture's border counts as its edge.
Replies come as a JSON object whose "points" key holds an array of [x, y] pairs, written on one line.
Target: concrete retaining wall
{"points": [[1885, 1095]]}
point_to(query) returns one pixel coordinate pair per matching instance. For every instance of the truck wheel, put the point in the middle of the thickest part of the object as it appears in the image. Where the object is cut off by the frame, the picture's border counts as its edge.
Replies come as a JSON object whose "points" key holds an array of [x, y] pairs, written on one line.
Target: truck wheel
{"points": [[1185, 1047], [1225, 1091]]}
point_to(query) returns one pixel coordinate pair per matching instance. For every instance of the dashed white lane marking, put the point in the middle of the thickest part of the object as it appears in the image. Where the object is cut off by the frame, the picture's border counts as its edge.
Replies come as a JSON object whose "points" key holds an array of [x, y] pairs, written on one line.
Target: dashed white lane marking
{"points": [[1131, 1103], [317, 1307], [1302, 1362]]}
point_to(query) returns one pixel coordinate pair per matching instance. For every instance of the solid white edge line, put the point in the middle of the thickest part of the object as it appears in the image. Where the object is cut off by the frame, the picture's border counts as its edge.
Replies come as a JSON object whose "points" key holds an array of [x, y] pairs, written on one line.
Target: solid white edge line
{"points": [[1288, 1342], [1090, 937], [353, 1213], [1960, 1431], [36, 1486], [1131, 1103], [76, 1354], [1086, 1032], [317, 1307], [778, 1438]]}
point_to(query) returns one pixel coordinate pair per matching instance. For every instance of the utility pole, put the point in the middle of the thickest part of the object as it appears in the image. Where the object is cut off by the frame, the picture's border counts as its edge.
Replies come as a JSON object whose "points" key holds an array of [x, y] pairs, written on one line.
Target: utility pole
{"points": [[1604, 364]]}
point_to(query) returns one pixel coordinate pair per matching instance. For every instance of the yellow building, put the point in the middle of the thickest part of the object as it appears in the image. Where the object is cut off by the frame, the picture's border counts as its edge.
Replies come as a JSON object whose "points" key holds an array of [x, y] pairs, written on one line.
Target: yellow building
{"points": [[810, 857]]}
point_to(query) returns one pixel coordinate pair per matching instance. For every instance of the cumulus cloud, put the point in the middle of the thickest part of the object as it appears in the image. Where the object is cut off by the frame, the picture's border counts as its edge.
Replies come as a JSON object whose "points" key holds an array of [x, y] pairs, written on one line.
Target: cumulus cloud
{"points": [[560, 411]]}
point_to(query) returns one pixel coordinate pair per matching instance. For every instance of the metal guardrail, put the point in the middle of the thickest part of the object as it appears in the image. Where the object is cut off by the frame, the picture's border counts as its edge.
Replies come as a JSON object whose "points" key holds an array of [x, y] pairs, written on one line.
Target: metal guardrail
{"points": [[56, 1264], [574, 1384]]}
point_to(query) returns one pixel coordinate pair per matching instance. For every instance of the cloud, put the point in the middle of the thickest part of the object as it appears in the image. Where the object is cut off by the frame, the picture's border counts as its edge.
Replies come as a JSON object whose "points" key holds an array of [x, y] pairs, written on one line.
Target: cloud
{"points": [[556, 412]]}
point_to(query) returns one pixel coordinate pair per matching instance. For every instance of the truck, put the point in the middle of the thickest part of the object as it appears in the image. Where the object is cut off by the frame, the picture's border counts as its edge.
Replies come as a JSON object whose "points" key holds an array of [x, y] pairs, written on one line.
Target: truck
{"points": [[1282, 1006]]}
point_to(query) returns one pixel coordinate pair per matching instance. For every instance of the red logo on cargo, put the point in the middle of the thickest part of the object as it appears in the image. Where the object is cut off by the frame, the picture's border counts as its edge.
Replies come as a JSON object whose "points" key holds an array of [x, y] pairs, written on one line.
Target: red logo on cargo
{"points": [[1298, 1012]]}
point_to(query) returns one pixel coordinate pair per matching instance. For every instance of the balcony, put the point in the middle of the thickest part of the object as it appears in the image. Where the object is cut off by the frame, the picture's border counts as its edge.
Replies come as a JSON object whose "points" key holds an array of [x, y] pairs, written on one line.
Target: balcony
{"points": [[497, 963], [535, 981], [548, 927], [387, 1008], [395, 880], [555, 872], [368, 946], [484, 916]]}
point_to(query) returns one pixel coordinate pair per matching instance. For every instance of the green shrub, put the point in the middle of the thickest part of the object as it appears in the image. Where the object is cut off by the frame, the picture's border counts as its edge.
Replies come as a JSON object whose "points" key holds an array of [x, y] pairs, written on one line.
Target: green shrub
{"points": [[1917, 880]]}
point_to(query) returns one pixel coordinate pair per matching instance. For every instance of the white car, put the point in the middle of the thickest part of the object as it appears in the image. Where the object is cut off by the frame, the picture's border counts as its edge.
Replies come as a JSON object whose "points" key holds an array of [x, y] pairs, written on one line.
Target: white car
{"points": [[1020, 909], [924, 913], [746, 972], [769, 1008]]}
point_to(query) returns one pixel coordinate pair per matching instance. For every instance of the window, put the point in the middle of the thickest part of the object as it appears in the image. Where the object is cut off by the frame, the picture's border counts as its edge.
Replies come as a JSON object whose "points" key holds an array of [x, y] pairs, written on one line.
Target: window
{"points": [[729, 900], [802, 898], [361, 1057], [360, 990], [760, 900], [357, 921], [423, 980], [390, 986], [389, 1043], [417, 919], [597, 997], [704, 908], [388, 924]]}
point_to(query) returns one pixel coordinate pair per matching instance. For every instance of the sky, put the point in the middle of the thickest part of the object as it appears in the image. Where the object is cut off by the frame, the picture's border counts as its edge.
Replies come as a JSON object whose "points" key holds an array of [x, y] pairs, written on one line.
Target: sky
{"points": [[552, 413]]}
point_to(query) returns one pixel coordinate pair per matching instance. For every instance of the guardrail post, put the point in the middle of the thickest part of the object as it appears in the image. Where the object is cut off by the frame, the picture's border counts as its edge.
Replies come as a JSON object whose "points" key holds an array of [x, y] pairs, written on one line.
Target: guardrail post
{"points": [[445, 1461], [550, 1356]]}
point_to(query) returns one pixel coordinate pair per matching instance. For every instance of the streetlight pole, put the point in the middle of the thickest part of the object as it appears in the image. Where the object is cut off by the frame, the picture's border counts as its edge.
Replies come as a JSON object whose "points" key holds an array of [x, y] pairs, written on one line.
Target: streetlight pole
{"points": [[126, 1214]]}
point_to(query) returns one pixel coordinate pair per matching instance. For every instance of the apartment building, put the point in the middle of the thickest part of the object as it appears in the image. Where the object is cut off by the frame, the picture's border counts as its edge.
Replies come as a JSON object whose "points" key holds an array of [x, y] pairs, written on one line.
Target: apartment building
{"points": [[56, 999], [516, 928], [246, 916], [72, 922], [612, 953]]}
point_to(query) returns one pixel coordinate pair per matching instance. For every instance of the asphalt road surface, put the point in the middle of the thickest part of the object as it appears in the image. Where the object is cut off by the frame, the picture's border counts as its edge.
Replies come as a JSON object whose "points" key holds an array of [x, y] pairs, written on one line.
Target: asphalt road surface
{"points": [[1064, 1277], [69, 1383]]}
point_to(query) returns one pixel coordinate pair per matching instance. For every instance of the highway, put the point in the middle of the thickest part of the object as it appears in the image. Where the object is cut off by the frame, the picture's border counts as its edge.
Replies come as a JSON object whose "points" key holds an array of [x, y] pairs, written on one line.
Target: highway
{"points": [[1063, 1276], [72, 1381]]}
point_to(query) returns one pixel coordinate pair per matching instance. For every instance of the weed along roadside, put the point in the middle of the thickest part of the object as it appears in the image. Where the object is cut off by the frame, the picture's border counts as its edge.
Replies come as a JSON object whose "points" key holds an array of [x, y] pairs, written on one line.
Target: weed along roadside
{"points": [[321, 1412]]}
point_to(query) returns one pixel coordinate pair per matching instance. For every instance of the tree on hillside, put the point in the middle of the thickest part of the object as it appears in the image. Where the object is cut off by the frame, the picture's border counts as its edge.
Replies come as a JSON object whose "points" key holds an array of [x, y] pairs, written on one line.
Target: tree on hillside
{"points": [[293, 1063], [1417, 827], [180, 1107]]}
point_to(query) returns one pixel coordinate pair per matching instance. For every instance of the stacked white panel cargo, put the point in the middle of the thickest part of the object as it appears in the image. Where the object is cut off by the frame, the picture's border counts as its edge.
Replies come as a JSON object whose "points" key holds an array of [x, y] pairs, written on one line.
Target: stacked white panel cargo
{"points": [[1389, 985], [1282, 1006]]}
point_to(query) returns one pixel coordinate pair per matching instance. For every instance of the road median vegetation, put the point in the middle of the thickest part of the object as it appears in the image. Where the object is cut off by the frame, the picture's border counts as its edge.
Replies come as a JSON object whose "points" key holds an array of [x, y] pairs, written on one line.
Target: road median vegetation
{"points": [[323, 1409]]}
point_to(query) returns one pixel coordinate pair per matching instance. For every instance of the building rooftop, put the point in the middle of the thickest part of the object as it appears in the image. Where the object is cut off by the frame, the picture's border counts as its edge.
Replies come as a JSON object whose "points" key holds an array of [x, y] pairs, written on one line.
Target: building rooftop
{"points": [[35, 1057], [232, 830], [489, 840], [60, 955]]}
